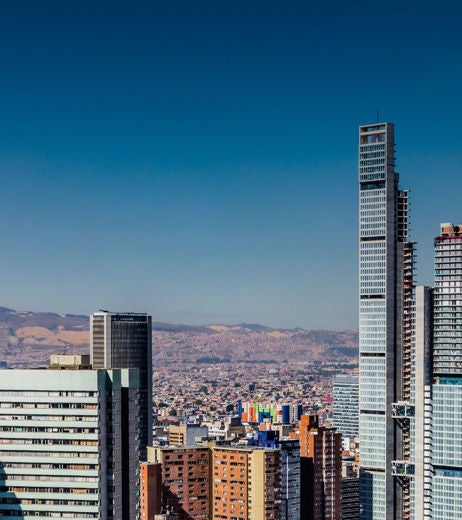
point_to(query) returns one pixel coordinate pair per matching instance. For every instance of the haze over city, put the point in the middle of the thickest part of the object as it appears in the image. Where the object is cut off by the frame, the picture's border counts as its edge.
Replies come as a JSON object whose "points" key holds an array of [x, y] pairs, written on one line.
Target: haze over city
{"points": [[198, 160]]}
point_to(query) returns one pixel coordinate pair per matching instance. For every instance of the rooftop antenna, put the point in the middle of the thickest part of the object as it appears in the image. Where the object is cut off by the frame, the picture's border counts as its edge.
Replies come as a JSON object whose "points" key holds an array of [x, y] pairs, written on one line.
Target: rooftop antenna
{"points": [[377, 115]]}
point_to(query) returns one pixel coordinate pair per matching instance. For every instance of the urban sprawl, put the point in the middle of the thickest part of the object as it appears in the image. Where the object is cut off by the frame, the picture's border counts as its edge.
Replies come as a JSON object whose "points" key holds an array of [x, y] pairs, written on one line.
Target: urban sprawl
{"points": [[109, 436]]}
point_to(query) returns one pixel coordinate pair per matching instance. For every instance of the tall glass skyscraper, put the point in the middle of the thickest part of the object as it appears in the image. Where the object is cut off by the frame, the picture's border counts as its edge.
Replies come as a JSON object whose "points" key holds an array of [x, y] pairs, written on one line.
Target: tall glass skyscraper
{"points": [[123, 340], [385, 328], [447, 375]]}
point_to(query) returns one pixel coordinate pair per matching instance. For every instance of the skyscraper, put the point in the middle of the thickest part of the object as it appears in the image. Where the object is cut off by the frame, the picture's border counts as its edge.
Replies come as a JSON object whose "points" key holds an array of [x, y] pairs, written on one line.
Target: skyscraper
{"points": [[447, 375], [68, 446], [385, 326], [123, 340]]}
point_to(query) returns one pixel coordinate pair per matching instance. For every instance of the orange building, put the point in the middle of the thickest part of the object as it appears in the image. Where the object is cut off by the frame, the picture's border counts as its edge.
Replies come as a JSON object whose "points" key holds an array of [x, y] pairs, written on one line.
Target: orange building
{"points": [[230, 483], [150, 490], [246, 483], [216, 483], [184, 480], [321, 470]]}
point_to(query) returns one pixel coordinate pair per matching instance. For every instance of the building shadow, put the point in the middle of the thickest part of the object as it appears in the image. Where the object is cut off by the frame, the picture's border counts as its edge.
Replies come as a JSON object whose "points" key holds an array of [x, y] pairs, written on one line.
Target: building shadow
{"points": [[10, 504], [172, 505], [366, 488]]}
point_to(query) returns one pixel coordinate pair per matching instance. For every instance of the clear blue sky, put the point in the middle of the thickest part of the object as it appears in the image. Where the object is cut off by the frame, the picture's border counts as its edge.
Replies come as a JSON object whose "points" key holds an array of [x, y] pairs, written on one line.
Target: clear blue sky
{"points": [[198, 159]]}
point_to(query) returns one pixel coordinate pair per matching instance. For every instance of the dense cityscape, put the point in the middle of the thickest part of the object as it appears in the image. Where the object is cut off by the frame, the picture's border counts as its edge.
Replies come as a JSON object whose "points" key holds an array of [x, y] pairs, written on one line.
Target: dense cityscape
{"points": [[108, 435], [213, 391]]}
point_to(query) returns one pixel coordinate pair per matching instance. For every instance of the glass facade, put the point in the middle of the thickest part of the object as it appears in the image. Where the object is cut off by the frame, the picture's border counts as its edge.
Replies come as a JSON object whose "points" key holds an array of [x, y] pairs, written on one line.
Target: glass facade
{"points": [[124, 341], [447, 495], [372, 495], [372, 325], [373, 377], [385, 290], [447, 328], [373, 441], [345, 390], [447, 425], [373, 160], [447, 372]]}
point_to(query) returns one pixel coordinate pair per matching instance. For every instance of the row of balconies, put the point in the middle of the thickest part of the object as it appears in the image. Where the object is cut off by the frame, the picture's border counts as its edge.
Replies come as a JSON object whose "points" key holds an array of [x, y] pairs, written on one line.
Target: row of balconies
{"points": [[442, 314]]}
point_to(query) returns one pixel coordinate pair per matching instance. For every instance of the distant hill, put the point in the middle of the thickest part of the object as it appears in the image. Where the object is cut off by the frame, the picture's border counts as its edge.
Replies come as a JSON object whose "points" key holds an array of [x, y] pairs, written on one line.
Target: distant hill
{"points": [[29, 338]]}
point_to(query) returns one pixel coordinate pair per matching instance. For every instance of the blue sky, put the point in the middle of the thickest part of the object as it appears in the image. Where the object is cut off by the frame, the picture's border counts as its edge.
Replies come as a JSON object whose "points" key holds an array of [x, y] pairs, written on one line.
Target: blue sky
{"points": [[198, 160]]}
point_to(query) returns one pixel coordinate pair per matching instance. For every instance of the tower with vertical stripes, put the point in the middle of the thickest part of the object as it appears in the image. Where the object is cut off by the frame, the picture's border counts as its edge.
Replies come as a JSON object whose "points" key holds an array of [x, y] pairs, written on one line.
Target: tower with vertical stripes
{"points": [[386, 287]]}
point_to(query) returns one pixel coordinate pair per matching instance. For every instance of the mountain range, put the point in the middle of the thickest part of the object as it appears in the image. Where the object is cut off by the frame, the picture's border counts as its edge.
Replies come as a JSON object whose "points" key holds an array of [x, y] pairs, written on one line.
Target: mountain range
{"points": [[29, 338]]}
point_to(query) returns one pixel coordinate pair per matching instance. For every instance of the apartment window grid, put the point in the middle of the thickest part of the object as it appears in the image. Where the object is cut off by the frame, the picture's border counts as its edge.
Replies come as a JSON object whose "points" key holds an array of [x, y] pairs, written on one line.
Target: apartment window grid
{"points": [[448, 306], [373, 441], [382, 224], [44, 488]]}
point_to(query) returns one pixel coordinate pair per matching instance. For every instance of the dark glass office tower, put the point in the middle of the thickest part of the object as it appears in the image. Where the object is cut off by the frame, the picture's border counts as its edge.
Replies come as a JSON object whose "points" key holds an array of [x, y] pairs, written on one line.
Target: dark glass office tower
{"points": [[124, 340]]}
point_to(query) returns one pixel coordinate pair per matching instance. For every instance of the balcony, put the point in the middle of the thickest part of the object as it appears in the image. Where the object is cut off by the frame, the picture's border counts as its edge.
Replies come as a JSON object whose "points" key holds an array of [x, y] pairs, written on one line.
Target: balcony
{"points": [[402, 410], [402, 468]]}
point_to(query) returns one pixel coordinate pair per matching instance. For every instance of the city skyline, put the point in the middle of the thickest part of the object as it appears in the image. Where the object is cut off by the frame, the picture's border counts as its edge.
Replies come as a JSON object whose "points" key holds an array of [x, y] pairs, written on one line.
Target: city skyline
{"points": [[197, 162]]}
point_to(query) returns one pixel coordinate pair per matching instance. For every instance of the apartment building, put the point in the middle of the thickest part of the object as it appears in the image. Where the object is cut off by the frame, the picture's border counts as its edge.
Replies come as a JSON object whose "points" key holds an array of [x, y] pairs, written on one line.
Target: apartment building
{"points": [[186, 434], [217, 482], [446, 499], [150, 490], [68, 444], [246, 483], [321, 470], [184, 480]]}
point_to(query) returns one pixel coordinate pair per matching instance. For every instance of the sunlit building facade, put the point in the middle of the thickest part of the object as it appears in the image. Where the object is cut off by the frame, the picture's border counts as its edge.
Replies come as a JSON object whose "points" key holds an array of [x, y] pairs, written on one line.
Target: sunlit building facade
{"points": [[321, 470], [447, 375], [385, 327], [68, 447]]}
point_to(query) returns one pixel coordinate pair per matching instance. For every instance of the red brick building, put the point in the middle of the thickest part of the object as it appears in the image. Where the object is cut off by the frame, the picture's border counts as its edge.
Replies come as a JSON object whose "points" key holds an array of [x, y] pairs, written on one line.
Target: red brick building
{"points": [[321, 470]]}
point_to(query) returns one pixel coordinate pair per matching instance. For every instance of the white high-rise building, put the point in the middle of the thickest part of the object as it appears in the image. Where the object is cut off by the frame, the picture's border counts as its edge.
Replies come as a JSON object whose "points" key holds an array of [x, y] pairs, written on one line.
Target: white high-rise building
{"points": [[447, 375], [68, 444], [385, 328]]}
